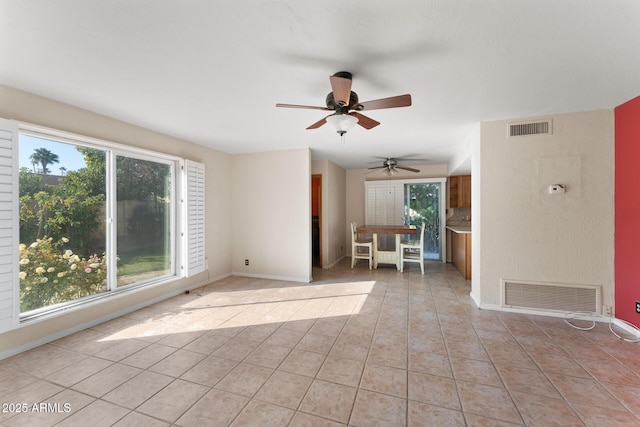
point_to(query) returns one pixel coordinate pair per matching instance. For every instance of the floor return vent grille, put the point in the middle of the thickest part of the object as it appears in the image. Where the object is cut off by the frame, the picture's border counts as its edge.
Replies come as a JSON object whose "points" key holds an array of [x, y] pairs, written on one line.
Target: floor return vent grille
{"points": [[551, 296]]}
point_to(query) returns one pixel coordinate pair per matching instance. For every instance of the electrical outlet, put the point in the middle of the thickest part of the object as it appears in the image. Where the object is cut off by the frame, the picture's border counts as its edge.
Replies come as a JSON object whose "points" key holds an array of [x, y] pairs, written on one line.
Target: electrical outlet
{"points": [[246, 262], [637, 306], [606, 310]]}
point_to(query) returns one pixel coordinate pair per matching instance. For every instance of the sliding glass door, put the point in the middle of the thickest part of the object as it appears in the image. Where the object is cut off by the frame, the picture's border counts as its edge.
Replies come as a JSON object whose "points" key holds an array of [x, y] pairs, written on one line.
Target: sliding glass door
{"points": [[423, 203]]}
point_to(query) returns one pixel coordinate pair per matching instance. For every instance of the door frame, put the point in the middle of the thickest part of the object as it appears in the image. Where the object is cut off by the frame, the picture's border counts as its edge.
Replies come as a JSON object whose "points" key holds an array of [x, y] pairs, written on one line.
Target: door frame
{"points": [[442, 202], [319, 202], [442, 208]]}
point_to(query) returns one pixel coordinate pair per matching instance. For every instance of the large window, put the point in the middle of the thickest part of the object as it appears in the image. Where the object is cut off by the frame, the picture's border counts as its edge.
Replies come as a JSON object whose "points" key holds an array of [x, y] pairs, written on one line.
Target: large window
{"points": [[93, 219]]}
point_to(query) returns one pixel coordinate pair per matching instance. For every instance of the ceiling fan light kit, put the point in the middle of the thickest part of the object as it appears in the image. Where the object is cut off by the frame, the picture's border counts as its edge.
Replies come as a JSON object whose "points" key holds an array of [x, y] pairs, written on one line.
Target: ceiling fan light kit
{"points": [[390, 171], [343, 123], [346, 105]]}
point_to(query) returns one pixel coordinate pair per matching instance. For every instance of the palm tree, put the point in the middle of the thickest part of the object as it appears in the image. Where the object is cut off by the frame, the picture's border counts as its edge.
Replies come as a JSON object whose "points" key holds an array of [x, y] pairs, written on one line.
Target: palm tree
{"points": [[44, 157], [62, 170]]}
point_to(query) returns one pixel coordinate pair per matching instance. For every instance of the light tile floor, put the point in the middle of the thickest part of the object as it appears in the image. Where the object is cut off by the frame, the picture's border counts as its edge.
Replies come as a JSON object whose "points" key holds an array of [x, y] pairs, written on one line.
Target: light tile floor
{"points": [[355, 347]]}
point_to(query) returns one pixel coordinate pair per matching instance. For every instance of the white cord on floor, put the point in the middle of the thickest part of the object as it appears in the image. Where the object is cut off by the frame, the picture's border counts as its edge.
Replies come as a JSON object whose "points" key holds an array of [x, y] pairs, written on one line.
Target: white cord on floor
{"points": [[592, 317]]}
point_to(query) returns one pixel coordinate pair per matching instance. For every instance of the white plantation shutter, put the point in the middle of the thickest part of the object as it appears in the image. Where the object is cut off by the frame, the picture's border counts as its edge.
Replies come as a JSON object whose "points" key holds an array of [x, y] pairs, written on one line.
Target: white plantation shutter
{"points": [[9, 227], [384, 203], [194, 216], [375, 209]]}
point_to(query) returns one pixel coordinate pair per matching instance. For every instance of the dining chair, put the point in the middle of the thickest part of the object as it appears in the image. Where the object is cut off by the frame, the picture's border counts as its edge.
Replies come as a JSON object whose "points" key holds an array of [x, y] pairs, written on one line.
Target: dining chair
{"points": [[413, 251], [359, 243]]}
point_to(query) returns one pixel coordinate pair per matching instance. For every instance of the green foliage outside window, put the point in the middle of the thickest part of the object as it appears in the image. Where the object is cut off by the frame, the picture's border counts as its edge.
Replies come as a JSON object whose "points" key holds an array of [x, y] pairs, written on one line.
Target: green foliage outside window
{"points": [[62, 233], [51, 273], [423, 206]]}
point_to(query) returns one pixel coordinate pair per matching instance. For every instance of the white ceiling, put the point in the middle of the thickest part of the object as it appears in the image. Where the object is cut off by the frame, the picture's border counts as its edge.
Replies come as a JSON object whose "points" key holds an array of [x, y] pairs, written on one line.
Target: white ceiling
{"points": [[212, 71]]}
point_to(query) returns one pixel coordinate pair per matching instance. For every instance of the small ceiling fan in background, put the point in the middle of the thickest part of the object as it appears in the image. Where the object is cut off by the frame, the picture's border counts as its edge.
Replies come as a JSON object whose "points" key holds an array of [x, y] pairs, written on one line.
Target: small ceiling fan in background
{"points": [[347, 107], [390, 165]]}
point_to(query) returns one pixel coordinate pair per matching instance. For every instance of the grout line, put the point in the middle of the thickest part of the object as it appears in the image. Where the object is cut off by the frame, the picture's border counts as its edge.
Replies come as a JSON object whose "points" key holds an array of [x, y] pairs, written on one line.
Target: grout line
{"points": [[404, 289]]}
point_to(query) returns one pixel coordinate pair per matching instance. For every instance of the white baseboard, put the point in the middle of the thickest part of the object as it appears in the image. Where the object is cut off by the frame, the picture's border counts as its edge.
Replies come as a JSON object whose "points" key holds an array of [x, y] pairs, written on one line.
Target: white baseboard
{"points": [[216, 279], [629, 329], [266, 276], [324, 267]]}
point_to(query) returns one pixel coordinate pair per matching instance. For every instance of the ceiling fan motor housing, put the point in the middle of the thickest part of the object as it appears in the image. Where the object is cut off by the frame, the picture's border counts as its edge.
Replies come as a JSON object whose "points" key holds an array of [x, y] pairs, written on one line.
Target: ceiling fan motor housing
{"points": [[342, 109]]}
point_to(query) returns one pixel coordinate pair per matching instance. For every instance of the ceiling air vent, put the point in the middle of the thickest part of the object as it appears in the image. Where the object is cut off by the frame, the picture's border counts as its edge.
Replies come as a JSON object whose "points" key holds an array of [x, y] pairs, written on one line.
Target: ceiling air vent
{"points": [[540, 127]]}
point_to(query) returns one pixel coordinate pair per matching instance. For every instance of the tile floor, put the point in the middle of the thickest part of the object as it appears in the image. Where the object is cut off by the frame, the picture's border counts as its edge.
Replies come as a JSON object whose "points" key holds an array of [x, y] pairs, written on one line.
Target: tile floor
{"points": [[354, 348]]}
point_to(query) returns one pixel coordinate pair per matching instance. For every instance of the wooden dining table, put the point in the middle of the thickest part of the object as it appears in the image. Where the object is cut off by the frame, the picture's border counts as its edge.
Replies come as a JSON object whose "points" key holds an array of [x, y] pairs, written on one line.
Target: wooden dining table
{"points": [[384, 256]]}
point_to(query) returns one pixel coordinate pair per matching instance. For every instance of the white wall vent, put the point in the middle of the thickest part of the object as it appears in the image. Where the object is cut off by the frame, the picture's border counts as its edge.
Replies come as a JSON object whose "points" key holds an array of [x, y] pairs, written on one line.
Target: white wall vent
{"points": [[551, 296], [538, 127]]}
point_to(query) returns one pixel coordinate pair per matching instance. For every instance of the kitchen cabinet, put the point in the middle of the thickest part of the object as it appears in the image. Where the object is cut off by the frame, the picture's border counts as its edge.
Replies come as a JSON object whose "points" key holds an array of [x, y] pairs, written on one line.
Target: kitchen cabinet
{"points": [[460, 191], [461, 253]]}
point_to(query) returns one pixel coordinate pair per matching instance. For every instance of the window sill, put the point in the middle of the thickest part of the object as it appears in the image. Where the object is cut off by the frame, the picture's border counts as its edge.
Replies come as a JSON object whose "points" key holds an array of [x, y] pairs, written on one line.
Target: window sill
{"points": [[94, 300]]}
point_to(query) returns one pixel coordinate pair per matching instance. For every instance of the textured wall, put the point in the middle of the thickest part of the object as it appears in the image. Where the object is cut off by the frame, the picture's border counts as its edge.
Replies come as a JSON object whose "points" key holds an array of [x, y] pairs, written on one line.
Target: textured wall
{"points": [[530, 235], [271, 205]]}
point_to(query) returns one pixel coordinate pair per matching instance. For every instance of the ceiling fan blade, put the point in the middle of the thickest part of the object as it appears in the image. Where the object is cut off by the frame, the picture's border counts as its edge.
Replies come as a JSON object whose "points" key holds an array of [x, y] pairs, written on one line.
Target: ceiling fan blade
{"points": [[408, 169], [378, 104], [308, 107], [373, 170], [341, 88], [364, 121], [378, 167], [319, 123]]}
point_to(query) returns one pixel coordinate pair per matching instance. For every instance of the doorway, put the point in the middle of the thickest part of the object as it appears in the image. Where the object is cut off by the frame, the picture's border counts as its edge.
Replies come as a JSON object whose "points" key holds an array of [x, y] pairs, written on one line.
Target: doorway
{"points": [[423, 203], [409, 202], [316, 220]]}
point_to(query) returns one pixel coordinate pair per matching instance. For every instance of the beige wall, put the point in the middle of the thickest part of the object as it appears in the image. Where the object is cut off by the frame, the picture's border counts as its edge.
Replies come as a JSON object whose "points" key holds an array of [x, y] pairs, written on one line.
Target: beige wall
{"points": [[271, 206], [334, 246], [460, 163], [21, 106], [355, 180], [530, 235], [476, 215]]}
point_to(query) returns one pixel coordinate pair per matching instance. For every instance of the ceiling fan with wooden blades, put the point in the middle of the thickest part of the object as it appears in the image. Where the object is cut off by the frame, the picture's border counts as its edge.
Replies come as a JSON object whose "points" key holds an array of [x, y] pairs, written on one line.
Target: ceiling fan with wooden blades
{"points": [[390, 167], [346, 107]]}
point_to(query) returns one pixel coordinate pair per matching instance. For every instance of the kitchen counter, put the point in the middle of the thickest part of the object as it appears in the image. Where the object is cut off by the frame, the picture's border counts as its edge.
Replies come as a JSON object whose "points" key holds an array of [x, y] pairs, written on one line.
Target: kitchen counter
{"points": [[461, 228], [460, 241]]}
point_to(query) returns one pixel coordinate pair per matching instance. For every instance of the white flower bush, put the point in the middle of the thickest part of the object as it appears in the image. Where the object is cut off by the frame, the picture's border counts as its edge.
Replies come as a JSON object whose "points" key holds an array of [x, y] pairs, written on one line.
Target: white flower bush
{"points": [[51, 274]]}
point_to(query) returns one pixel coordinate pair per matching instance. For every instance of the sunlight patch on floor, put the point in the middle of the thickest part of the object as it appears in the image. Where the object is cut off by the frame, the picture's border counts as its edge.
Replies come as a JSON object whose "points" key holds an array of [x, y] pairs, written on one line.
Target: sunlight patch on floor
{"points": [[208, 308]]}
